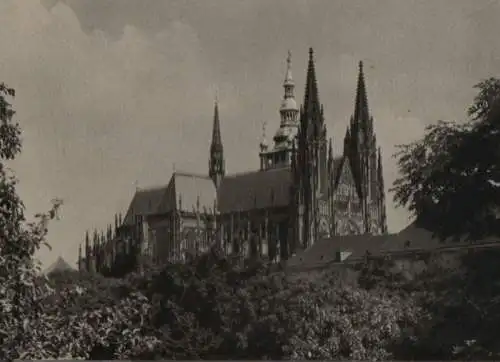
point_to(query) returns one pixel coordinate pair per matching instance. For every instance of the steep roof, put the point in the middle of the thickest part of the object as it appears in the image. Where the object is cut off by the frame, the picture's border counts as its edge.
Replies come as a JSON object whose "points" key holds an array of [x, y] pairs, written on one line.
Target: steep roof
{"points": [[144, 202], [58, 266], [255, 190], [186, 192]]}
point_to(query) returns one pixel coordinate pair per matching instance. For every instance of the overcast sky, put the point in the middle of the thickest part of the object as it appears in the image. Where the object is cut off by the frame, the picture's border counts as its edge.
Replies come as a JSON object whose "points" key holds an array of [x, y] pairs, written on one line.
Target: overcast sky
{"points": [[110, 92]]}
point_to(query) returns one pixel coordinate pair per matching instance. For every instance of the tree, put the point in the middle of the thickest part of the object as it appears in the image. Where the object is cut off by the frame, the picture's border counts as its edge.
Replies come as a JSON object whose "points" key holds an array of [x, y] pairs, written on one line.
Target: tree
{"points": [[20, 289], [450, 179]]}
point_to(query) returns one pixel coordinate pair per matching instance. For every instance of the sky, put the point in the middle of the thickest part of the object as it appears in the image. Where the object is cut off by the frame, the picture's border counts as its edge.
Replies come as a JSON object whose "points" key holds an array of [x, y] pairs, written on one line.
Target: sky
{"points": [[116, 93]]}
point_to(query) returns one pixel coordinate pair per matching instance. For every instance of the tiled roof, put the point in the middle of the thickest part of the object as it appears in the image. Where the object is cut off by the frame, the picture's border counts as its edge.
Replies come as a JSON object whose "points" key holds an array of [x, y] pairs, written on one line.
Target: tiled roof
{"points": [[415, 237], [325, 251], [411, 239], [255, 190], [144, 202], [193, 189], [185, 191]]}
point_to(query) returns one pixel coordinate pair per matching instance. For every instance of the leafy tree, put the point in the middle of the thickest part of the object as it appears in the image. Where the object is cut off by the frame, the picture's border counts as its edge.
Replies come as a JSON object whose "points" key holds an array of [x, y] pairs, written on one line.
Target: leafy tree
{"points": [[20, 289], [450, 179]]}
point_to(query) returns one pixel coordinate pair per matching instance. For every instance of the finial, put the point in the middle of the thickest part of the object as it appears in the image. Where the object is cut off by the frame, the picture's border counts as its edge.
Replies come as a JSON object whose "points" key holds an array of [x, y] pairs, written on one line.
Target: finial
{"points": [[173, 167], [360, 66], [311, 53], [216, 95], [136, 184], [288, 76]]}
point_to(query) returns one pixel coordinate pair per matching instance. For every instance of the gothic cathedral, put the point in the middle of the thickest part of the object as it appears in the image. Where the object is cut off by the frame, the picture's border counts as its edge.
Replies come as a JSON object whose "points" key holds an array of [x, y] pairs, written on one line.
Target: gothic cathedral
{"points": [[301, 193]]}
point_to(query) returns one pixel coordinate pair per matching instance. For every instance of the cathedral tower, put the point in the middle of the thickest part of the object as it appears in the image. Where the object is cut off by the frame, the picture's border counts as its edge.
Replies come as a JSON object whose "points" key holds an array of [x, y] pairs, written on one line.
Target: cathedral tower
{"points": [[311, 163], [216, 164], [280, 154], [361, 150]]}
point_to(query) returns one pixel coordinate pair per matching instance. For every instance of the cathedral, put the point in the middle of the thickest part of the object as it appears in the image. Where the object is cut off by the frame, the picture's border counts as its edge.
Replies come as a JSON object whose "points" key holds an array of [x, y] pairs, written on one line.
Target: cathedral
{"points": [[300, 194]]}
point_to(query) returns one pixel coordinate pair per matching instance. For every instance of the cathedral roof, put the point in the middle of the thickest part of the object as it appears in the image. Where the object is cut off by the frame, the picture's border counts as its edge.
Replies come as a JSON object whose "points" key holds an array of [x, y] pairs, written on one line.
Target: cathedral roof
{"points": [[185, 192], [188, 192], [144, 202], [255, 190]]}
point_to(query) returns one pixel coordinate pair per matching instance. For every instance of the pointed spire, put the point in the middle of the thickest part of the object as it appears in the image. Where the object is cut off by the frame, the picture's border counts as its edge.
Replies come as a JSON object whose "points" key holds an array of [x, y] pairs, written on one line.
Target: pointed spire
{"points": [[311, 96], [347, 140], [216, 168], [288, 76], [216, 134], [361, 113]]}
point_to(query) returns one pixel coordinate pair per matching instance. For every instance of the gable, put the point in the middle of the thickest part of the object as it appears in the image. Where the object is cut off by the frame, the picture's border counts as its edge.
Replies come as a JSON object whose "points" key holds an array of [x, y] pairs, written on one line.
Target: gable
{"points": [[187, 192], [344, 181], [144, 202]]}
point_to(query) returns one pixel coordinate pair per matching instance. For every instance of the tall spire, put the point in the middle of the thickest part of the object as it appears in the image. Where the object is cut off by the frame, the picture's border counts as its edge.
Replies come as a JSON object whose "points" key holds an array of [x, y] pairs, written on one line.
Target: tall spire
{"points": [[216, 165], [361, 113], [288, 76], [216, 136], [288, 109], [311, 97]]}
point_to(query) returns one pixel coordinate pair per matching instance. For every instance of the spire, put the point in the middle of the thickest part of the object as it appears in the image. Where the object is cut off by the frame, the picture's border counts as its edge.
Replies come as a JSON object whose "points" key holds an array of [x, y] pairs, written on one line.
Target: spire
{"points": [[216, 169], [288, 109], [311, 97], [361, 113], [288, 76], [216, 136], [347, 142]]}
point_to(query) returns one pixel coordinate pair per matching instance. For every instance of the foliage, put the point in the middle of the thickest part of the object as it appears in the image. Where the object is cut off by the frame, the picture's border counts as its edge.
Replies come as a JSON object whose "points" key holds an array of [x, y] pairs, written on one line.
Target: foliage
{"points": [[337, 320], [20, 291], [450, 178]]}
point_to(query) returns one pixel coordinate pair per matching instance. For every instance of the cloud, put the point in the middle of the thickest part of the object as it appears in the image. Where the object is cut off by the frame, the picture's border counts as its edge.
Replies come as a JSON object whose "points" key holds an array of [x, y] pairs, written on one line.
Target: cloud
{"points": [[98, 114]]}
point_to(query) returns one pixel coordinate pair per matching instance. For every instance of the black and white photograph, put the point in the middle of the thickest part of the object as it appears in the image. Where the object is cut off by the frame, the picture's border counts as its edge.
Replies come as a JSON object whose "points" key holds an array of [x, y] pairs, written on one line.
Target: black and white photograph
{"points": [[249, 180]]}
